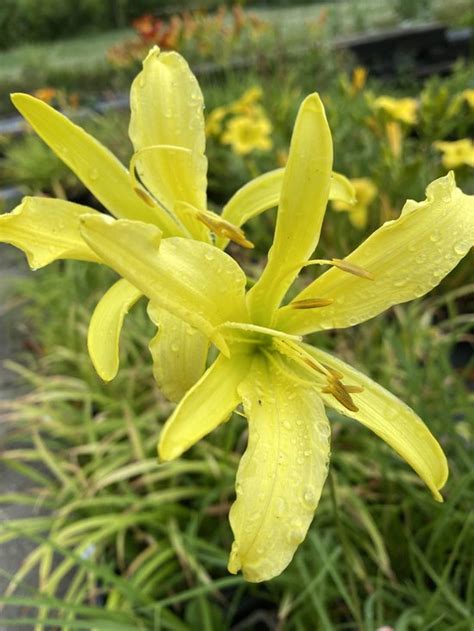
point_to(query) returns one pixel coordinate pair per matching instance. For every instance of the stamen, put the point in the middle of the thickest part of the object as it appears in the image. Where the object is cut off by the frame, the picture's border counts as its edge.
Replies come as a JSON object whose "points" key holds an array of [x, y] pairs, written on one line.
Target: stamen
{"points": [[300, 356], [354, 389], [335, 373], [311, 303], [339, 391], [146, 197], [346, 266], [223, 228], [342, 264]]}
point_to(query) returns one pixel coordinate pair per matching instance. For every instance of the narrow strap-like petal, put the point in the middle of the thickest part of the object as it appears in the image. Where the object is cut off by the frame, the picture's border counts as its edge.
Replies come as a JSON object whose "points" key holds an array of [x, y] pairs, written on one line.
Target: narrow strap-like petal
{"points": [[303, 200], [103, 336], [281, 474], [192, 280], [167, 109], [179, 353], [94, 164], [208, 404], [263, 193], [406, 257], [392, 420], [173, 177], [47, 230]]}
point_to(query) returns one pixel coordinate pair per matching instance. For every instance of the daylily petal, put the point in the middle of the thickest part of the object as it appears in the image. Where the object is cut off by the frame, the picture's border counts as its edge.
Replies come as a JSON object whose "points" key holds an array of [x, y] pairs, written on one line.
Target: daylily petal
{"points": [[192, 280], [179, 353], [93, 163], [103, 336], [281, 474], [167, 109], [208, 404], [304, 196], [263, 192], [407, 258], [174, 178], [393, 421], [46, 230]]}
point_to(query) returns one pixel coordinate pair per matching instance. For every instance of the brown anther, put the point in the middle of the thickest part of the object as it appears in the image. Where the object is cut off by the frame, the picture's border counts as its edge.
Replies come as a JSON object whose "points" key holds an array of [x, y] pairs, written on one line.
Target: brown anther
{"points": [[144, 196], [354, 389], [335, 373], [224, 228], [352, 268], [311, 303], [339, 391]]}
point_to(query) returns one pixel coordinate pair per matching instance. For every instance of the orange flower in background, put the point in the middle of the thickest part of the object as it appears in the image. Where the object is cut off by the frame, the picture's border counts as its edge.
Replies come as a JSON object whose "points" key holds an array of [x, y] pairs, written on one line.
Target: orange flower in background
{"points": [[147, 26], [46, 94]]}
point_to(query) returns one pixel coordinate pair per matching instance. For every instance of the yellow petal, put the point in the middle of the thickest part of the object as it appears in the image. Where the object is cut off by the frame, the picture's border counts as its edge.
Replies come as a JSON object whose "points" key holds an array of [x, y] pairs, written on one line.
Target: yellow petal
{"points": [[167, 109], [304, 196], [393, 421], [179, 353], [407, 258], [103, 336], [173, 172], [263, 193], [46, 230], [94, 164], [192, 280], [281, 474], [208, 404]]}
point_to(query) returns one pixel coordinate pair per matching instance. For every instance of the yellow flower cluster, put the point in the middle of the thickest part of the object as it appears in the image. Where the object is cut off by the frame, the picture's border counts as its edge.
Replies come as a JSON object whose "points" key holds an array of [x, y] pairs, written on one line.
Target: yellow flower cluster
{"points": [[243, 124]]}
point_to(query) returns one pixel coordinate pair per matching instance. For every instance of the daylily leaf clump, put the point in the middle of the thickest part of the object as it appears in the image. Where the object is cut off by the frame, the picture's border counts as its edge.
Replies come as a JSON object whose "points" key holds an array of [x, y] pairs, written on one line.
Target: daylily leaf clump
{"points": [[161, 247]]}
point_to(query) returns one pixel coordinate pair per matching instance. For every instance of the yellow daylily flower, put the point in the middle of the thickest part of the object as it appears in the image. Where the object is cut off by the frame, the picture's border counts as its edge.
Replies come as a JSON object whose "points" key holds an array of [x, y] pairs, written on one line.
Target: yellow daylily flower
{"points": [[468, 96], [365, 192], [283, 383], [247, 101], [359, 78], [164, 188], [404, 110], [248, 133], [214, 121], [456, 153]]}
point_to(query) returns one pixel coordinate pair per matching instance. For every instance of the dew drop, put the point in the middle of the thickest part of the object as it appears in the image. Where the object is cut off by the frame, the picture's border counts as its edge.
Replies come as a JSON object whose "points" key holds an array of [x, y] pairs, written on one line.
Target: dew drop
{"points": [[280, 507], [94, 174], [462, 247], [435, 236], [286, 425]]}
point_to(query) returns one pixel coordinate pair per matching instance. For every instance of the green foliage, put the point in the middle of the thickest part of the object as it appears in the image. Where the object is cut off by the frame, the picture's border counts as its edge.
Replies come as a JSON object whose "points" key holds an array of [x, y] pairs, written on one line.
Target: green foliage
{"points": [[145, 544]]}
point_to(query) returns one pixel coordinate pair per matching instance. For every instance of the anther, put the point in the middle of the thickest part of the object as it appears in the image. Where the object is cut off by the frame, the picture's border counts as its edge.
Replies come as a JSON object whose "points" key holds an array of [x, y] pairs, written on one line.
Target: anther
{"points": [[223, 228], [351, 268], [311, 303], [144, 196]]}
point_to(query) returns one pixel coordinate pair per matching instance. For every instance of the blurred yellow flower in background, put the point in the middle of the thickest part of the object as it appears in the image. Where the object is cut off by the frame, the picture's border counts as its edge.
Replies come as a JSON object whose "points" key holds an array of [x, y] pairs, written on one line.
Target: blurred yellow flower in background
{"points": [[248, 133], [248, 100], [359, 78], [456, 153], [214, 121], [403, 110], [365, 191], [468, 96], [394, 138]]}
